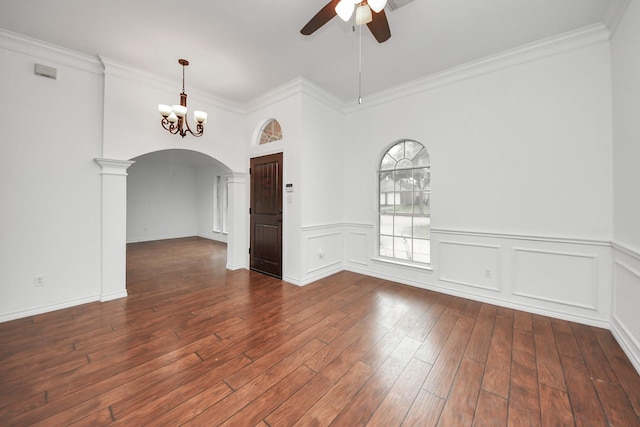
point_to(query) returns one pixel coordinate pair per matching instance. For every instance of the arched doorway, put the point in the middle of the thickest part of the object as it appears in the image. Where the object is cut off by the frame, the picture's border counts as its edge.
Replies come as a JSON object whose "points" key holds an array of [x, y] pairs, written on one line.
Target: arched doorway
{"points": [[114, 224], [176, 215], [177, 193]]}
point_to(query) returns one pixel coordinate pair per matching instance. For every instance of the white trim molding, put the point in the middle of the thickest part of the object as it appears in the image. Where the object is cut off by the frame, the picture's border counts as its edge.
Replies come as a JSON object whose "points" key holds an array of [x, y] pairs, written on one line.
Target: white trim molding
{"points": [[114, 167], [29, 46], [586, 36], [625, 318], [481, 267], [615, 12], [554, 239], [114, 228], [112, 68], [542, 262]]}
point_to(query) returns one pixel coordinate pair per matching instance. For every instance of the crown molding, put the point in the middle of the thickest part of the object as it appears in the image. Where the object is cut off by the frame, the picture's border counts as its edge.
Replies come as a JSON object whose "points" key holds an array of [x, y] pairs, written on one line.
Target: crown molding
{"points": [[582, 37], [113, 68], [297, 86], [49, 52], [318, 93], [614, 14], [280, 93]]}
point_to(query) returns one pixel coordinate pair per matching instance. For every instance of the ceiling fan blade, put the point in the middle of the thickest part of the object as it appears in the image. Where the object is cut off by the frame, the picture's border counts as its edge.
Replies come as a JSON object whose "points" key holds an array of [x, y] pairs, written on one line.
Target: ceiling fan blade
{"points": [[325, 15], [379, 27]]}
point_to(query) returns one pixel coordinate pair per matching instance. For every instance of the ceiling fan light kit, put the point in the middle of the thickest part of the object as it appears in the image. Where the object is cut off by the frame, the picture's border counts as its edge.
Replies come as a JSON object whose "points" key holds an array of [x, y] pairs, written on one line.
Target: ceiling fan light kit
{"points": [[377, 5], [344, 9], [363, 15], [174, 117], [369, 12], [376, 22]]}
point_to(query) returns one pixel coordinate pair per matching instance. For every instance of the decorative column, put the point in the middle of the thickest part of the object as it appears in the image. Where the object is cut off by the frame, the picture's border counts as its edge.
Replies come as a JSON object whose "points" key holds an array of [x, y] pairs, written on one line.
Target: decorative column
{"points": [[238, 221], [114, 228]]}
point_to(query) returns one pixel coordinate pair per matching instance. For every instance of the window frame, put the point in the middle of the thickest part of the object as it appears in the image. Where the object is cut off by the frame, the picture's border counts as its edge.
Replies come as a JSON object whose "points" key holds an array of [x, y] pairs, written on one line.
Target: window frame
{"points": [[270, 137], [393, 258]]}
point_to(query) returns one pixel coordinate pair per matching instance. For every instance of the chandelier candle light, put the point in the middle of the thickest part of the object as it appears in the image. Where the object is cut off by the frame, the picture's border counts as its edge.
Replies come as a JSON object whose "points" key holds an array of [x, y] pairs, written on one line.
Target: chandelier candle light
{"points": [[174, 118]]}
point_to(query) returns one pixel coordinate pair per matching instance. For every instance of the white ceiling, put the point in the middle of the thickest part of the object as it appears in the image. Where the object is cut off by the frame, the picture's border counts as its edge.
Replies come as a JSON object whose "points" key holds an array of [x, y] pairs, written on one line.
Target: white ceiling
{"points": [[242, 49]]}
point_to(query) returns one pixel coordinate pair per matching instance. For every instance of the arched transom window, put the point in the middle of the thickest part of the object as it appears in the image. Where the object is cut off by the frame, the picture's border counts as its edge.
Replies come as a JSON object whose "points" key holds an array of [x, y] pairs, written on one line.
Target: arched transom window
{"points": [[271, 131], [404, 202]]}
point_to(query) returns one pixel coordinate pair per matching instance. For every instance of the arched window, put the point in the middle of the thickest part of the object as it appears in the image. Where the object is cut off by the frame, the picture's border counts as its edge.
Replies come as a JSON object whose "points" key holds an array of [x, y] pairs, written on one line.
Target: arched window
{"points": [[404, 202], [271, 131]]}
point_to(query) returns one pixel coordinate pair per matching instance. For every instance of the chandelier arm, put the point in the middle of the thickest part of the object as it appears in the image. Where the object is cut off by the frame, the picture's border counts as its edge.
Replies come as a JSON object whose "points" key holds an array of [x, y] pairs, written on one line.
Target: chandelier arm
{"points": [[171, 127], [199, 128]]}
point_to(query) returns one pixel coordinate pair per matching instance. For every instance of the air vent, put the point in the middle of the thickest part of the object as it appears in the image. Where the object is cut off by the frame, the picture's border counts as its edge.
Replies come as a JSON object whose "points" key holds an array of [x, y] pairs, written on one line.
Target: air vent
{"points": [[43, 70], [396, 4]]}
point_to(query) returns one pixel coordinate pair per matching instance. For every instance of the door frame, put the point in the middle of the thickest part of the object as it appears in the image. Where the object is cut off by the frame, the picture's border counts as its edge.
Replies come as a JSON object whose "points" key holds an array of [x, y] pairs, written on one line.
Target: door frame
{"points": [[280, 160]]}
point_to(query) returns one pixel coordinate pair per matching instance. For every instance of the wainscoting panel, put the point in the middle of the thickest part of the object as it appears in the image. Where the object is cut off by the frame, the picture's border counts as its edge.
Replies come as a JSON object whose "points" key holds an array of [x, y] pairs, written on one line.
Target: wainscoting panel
{"points": [[625, 324], [469, 264], [559, 277], [357, 247], [566, 278], [322, 248]]}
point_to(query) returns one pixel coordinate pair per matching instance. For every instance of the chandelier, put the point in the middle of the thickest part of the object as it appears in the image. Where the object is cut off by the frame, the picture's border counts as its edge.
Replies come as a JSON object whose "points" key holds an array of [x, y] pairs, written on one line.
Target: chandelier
{"points": [[174, 117], [345, 8]]}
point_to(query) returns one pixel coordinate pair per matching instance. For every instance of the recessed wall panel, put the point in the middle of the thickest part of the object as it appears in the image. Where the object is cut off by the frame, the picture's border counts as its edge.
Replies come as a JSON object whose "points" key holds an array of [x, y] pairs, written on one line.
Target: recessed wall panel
{"points": [[560, 277], [627, 297], [469, 264], [323, 251], [357, 247]]}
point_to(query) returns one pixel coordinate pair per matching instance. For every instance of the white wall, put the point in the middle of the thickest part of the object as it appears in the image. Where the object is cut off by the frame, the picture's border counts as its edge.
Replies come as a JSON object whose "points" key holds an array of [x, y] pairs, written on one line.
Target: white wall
{"points": [[170, 195], [322, 185], [626, 202], [161, 198], [132, 128], [527, 182], [521, 178], [54, 193], [49, 183], [283, 104], [132, 122], [313, 133]]}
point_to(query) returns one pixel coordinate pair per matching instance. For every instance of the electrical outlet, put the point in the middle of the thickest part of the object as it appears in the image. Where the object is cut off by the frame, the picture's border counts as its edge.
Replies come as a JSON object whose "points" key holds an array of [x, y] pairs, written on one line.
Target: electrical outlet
{"points": [[487, 273], [320, 253], [39, 280]]}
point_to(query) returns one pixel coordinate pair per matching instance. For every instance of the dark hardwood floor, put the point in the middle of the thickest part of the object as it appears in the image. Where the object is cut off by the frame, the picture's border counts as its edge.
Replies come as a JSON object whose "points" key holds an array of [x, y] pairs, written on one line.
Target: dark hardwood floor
{"points": [[195, 344]]}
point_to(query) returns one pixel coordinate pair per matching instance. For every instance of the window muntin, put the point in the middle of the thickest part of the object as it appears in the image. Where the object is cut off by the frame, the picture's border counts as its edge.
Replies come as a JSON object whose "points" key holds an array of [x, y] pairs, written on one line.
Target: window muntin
{"points": [[404, 181], [271, 131]]}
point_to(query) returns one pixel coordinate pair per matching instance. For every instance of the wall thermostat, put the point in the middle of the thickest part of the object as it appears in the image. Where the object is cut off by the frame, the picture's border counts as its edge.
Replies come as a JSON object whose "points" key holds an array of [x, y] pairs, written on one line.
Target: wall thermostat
{"points": [[289, 188]]}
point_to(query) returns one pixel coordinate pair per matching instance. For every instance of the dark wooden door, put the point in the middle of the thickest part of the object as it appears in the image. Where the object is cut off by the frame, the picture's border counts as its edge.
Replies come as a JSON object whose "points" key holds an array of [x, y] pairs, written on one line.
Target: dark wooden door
{"points": [[266, 215]]}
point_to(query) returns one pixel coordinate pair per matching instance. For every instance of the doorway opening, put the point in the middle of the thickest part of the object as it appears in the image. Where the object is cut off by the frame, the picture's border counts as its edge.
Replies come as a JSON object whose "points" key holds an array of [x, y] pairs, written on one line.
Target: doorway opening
{"points": [[177, 195], [265, 215]]}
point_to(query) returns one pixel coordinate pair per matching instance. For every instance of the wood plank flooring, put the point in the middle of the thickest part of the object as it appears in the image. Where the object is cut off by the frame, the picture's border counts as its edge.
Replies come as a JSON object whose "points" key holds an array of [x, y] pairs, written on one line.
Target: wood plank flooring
{"points": [[194, 344]]}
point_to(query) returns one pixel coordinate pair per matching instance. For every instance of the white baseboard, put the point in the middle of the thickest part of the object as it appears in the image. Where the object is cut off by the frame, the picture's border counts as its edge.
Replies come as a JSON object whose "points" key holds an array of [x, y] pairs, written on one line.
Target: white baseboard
{"points": [[481, 298], [318, 275], [115, 295], [47, 308], [628, 343]]}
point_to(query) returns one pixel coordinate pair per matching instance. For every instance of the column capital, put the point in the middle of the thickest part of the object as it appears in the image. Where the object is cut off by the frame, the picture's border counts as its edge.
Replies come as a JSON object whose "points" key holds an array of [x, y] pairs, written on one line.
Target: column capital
{"points": [[237, 177], [113, 166]]}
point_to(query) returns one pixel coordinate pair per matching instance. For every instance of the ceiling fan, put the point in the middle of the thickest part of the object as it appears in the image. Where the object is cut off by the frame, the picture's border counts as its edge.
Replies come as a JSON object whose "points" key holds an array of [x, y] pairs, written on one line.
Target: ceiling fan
{"points": [[376, 21]]}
